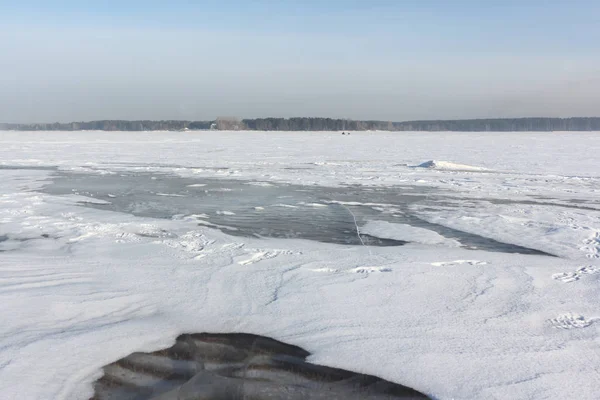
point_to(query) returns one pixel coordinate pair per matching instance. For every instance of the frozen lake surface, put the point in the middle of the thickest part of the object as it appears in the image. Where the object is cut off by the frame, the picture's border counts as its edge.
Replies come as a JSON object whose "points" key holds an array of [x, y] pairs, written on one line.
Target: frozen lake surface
{"points": [[479, 277], [263, 209]]}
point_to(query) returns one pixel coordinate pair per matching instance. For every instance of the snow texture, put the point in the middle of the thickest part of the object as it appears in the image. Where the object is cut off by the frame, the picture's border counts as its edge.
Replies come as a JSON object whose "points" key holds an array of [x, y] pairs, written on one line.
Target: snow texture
{"points": [[387, 230], [82, 287]]}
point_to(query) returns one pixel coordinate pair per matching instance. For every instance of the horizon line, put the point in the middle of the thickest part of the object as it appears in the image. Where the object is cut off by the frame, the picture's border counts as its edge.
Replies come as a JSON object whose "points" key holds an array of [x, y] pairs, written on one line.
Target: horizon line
{"points": [[290, 118]]}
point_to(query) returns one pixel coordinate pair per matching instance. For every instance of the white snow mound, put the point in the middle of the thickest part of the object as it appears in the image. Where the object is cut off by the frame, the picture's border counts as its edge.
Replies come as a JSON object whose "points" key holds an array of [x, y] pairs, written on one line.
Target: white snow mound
{"points": [[448, 166]]}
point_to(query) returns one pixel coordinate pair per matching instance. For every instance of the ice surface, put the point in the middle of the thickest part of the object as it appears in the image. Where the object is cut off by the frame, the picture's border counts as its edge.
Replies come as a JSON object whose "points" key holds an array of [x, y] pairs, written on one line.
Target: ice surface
{"points": [[333, 220], [83, 285]]}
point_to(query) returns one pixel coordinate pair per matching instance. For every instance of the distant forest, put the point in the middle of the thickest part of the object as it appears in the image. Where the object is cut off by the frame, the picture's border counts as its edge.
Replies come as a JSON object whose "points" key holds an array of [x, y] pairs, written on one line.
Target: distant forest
{"points": [[325, 124]]}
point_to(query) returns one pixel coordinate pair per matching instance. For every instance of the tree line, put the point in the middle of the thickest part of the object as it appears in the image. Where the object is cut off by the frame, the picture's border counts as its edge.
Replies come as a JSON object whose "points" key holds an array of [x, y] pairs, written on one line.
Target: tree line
{"points": [[325, 124], [111, 125]]}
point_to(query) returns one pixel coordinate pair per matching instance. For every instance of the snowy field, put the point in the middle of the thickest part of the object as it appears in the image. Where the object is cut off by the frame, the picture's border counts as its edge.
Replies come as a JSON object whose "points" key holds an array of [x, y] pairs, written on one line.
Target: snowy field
{"points": [[82, 286]]}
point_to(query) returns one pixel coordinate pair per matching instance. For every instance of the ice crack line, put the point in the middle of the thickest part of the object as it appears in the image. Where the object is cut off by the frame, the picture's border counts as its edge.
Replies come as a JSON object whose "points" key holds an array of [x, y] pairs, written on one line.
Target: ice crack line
{"points": [[357, 229]]}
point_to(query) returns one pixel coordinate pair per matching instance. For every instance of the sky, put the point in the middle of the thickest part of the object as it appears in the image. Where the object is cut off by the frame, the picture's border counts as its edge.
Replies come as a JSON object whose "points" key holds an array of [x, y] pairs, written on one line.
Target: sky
{"points": [[378, 59]]}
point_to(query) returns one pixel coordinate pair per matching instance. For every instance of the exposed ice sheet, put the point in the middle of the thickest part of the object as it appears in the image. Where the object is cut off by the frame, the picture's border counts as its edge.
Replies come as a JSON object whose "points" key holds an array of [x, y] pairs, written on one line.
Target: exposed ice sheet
{"points": [[81, 288]]}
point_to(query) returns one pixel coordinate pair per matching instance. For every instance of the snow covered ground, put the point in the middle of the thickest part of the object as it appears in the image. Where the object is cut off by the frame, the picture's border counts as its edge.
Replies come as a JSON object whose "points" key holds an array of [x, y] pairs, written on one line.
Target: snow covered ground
{"points": [[81, 287]]}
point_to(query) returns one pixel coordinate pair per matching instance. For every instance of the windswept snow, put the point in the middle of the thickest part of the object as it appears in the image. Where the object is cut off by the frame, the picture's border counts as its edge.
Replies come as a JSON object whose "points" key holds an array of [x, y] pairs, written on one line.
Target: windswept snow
{"points": [[82, 286], [404, 232]]}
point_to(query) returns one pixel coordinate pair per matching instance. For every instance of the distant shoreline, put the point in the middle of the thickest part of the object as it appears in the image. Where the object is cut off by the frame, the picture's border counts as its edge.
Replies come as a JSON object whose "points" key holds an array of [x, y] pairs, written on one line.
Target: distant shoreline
{"points": [[533, 124]]}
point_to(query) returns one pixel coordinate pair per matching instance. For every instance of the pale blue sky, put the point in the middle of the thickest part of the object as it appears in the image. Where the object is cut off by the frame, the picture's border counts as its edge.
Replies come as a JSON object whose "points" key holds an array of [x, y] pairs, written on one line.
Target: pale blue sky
{"points": [[390, 60]]}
